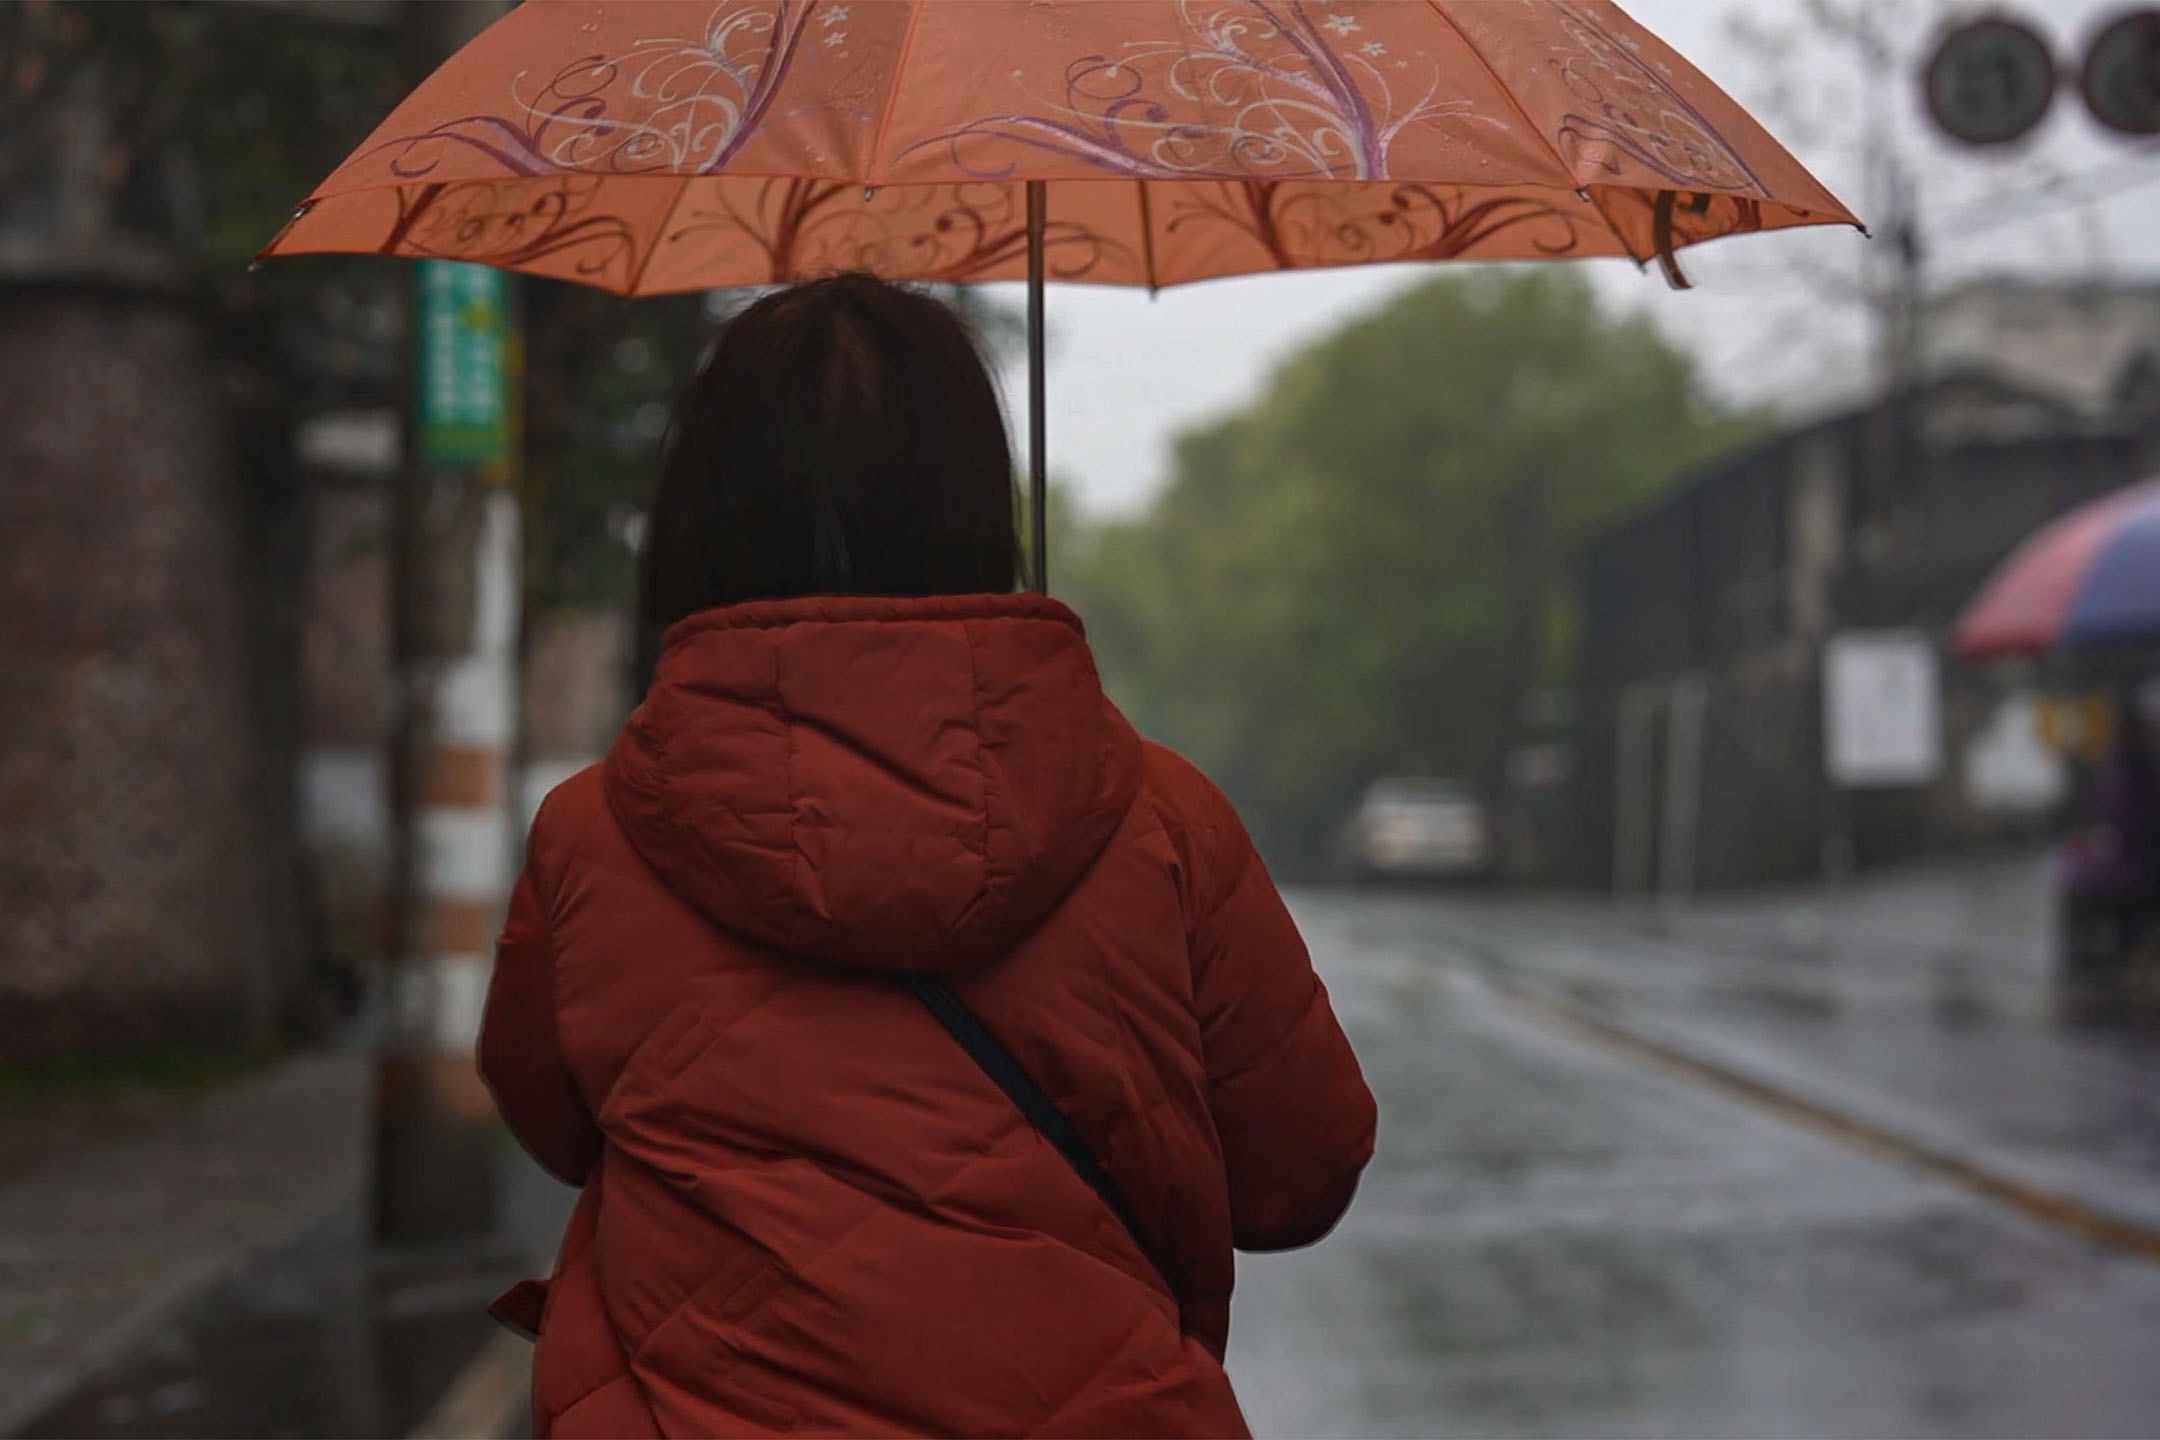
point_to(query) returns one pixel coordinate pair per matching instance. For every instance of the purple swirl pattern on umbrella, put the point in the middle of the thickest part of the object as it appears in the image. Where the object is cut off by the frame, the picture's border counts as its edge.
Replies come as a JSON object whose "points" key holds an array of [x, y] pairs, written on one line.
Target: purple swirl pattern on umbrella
{"points": [[1633, 110], [1293, 105]]}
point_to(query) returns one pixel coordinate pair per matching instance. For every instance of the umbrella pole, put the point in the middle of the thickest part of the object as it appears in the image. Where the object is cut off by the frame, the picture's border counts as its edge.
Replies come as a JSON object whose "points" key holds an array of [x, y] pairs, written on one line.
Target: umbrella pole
{"points": [[1038, 434]]}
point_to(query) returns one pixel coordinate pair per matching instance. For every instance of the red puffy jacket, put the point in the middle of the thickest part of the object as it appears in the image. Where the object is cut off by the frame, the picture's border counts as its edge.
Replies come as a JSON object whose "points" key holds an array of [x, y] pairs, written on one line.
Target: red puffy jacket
{"points": [[805, 1207]]}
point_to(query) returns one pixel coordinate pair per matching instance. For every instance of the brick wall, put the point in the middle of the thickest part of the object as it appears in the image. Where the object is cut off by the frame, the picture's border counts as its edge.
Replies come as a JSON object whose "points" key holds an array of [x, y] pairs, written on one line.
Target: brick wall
{"points": [[132, 889]]}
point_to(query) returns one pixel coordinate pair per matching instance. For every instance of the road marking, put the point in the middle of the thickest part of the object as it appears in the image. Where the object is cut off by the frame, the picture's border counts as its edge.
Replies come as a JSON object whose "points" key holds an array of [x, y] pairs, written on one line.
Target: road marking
{"points": [[2046, 1206]]}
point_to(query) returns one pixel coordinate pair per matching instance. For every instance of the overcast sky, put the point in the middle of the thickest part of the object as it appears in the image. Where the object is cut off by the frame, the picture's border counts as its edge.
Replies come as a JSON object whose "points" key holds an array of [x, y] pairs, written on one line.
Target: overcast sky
{"points": [[1127, 373]]}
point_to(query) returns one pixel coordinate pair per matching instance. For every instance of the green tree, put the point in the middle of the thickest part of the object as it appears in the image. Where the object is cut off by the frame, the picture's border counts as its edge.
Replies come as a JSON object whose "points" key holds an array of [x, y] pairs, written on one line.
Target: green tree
{"points": [[1364, 572], [183, 134]]}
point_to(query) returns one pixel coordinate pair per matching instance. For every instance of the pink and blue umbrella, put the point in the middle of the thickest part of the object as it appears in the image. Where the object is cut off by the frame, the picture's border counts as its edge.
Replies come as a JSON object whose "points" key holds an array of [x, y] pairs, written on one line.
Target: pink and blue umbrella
{"points": [[2088, 580]]}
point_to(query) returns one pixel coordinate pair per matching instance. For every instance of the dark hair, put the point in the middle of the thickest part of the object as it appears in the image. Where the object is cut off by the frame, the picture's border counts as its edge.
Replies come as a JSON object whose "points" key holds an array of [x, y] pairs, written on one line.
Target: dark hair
{"points": [[842, 438]]}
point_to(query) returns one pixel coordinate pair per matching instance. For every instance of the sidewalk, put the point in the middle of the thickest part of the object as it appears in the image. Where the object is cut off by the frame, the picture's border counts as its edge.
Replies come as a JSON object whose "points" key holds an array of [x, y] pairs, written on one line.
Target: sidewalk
{"points": [[1922, 1004], [113, 1236], [1996, 910]]}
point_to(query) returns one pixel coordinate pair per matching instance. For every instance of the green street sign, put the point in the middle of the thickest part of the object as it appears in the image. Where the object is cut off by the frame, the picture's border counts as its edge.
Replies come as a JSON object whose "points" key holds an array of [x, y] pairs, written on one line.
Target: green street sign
{"points": [[464, 409]]}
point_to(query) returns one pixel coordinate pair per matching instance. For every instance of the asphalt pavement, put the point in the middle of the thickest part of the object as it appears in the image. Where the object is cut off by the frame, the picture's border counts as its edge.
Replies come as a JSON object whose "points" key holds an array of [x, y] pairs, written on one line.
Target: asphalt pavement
{"points": [[1566, 1233], [1782, 1166]]}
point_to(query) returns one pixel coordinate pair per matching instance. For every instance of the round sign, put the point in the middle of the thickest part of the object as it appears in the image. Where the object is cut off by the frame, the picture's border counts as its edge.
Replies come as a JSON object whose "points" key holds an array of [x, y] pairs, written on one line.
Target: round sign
{"points": [[2122, 74], [1990, 82]]}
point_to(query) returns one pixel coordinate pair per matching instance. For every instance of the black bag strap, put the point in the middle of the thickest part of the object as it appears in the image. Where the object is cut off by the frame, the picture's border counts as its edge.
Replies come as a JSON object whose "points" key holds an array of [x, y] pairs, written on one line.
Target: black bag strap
{"points": [[1041, 1112]]}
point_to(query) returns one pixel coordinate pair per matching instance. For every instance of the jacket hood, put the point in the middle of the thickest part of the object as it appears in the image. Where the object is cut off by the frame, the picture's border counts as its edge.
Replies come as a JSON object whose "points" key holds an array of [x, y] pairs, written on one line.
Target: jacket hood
{"points": [[902, 784]]}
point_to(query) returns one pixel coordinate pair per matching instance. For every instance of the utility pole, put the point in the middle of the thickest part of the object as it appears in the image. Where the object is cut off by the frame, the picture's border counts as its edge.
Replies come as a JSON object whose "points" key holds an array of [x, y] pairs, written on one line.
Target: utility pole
{"points": [[1525, 524], [457, 596], [1896, 298]]}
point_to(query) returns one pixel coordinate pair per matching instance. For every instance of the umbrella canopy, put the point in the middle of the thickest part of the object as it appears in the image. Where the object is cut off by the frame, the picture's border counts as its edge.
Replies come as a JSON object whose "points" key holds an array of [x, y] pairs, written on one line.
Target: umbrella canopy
{"points": [[2089, 579], [676, 145]]}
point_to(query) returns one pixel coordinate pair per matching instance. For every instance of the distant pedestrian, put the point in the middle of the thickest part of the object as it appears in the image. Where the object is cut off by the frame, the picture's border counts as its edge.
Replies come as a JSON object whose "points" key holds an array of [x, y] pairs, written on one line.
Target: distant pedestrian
{"points": [[866, 768], [2112, 870]]}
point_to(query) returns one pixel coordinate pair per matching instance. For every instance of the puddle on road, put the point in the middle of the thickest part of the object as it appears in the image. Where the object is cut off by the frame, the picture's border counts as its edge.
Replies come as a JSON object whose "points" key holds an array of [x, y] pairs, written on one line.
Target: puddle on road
{"points": [[1778, 997], [1592, 995], [1516, 1335], [311, 1340], [1959, 999], [2123, 995], [1726, 1329]]}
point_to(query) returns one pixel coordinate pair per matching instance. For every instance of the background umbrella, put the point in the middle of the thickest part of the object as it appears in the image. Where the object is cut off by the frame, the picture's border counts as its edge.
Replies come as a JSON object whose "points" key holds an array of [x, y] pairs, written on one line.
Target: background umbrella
{"points": [[677, 145], [2088, 580]]}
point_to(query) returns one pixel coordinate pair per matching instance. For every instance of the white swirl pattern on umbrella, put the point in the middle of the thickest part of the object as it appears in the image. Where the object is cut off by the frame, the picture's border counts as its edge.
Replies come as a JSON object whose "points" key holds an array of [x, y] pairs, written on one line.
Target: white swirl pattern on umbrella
{"points": [[669, 105]]}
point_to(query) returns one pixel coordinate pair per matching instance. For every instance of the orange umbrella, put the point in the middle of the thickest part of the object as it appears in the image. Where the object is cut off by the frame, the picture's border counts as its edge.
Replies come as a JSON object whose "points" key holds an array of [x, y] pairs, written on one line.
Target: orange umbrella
{"points": [[673, 145]]}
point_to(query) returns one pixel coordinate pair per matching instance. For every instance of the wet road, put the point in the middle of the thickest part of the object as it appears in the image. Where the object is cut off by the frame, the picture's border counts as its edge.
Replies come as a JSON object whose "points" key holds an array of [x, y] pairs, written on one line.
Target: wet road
{"points": [[1564, 1237], [1574, 1225]]}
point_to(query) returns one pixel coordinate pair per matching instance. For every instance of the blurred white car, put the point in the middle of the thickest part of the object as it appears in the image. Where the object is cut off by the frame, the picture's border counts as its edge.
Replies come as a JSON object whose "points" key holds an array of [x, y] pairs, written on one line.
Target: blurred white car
{"points": [[1410, 828]]}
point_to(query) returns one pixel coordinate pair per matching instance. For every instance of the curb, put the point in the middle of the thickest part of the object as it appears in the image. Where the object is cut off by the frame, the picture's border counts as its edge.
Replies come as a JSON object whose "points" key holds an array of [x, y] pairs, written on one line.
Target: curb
{"points": [[2048, 1205], [1755, 943]]}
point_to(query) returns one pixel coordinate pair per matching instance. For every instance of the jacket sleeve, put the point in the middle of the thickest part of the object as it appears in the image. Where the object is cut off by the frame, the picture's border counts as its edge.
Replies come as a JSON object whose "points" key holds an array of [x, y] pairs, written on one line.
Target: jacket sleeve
{"points": [[521, 1056], [1291, 1106]]}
